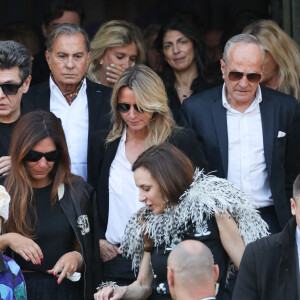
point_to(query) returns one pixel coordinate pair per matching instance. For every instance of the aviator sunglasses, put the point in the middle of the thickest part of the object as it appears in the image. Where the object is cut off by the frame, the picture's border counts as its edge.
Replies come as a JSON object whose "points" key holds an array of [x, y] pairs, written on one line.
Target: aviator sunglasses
{"points": [[34, 156], [252, 77], [10, 88], [125, 107]]}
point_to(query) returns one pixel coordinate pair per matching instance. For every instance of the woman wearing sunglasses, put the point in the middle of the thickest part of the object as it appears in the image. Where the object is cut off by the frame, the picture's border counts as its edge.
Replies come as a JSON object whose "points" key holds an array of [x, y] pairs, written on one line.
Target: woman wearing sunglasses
{"points": [[141, 118], [49, 223]]}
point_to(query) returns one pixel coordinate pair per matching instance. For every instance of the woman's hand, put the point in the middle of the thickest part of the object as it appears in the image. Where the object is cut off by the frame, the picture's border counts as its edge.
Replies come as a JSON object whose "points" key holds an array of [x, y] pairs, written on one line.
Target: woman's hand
{"points": [[5, 164], [25, 247], [109, 293], [113, 72], [108, 251], [66, 265]]}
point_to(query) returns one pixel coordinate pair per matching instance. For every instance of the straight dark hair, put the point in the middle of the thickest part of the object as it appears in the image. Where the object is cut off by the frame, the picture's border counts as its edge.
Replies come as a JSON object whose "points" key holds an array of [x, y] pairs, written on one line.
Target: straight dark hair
{"points": [[31, 129], [170, 167]]}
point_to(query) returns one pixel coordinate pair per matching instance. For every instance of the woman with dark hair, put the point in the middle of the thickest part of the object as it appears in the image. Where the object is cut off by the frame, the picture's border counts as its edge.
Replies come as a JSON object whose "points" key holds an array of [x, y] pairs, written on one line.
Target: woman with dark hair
{"points": [[49, 222], [181, 204], [186, 65]]}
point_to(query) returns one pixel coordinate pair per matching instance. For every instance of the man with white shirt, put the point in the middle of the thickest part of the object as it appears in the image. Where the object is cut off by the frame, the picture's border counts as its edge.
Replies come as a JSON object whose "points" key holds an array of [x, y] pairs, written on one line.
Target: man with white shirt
{"points": [[250, 133], [192, 274], [270, 267], [82, 105]]}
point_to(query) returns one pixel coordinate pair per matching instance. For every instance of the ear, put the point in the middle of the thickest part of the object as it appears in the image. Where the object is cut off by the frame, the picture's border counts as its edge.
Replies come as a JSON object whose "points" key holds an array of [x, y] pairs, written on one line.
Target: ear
{"points": [[216, 273], [170, 277], [293, 206], [48, 58], [26, 84], [222, 67]]}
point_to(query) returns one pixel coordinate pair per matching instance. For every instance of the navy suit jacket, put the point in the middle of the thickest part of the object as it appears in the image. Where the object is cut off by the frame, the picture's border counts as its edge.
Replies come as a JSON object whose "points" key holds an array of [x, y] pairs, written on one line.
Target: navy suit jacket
{"points": [[206, 114], [99, 108]]}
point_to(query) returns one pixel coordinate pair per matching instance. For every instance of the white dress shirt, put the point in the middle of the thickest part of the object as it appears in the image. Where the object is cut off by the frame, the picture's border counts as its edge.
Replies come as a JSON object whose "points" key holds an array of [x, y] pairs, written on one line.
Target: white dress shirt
{"points": [[246, 158], [75, 122], [123, 194], [298, 245]]}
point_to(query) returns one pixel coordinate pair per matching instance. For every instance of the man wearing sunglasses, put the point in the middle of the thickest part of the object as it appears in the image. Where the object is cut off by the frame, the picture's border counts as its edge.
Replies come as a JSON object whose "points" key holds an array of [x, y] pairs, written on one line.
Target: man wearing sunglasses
{"points": [[250, 133], [82, 106], [15, 70]]}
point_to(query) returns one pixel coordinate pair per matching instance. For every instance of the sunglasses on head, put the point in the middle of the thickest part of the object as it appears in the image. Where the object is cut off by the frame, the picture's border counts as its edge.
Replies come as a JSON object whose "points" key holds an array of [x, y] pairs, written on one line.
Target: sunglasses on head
{"points": [[252, 77], [125, 107], [34, 156], [10, 88]]}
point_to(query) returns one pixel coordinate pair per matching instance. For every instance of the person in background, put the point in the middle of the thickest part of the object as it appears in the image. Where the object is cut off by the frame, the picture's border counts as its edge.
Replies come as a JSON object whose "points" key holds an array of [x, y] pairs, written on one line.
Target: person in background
{"points": [[281, 70], [116, 46], [185, 65], [153, 58], [15, 70], [181, 204], [83, 106], [192, 274], [141, 118], [50, 225]]}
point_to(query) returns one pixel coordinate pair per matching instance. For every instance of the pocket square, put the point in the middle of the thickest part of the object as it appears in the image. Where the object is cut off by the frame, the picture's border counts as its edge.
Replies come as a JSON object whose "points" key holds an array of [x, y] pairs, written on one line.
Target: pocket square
{"points": [[281, 134]]}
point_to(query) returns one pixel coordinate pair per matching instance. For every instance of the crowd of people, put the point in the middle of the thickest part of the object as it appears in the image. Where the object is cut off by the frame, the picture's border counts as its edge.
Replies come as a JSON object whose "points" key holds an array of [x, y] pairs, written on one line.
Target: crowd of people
{"points": [[135, 166]]}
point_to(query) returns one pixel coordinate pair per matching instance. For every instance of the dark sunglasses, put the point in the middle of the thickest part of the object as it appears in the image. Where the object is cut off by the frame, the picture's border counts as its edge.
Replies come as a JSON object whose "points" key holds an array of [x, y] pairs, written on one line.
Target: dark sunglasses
{"points": [[35, 156], [252, 77], [125, 107], [10, 88]]}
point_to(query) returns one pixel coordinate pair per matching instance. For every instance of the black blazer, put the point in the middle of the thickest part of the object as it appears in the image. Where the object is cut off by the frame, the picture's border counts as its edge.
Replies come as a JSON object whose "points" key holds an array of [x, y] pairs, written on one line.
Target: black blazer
{"points": [[101, 159], [269, 268], [205, 114], [38, 97]]}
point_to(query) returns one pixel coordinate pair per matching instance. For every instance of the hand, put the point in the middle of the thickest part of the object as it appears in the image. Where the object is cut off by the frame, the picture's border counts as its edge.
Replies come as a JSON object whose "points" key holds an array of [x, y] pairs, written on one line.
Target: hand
{"points": [[107, 250], [25, 247], [5, 164], [113, 72], [66, 264], [108, 293]]}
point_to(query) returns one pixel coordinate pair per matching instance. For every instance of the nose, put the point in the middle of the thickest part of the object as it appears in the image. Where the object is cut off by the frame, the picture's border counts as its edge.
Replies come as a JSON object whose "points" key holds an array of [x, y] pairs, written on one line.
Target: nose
{"points": [[243, 81], [42, 162], [2, 95], [176, 49], [132, 112], [70, 63], [142, 197], [126, 63]]}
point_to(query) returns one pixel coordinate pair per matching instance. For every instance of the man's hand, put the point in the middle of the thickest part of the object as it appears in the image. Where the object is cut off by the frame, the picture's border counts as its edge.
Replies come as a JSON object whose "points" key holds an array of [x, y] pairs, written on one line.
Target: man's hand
{"points": [[107, 250]]}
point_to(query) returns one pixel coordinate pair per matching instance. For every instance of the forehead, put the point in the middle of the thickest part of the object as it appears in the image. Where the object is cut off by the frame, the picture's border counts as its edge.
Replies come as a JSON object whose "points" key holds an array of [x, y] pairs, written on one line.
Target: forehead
{"points": [[10, 75], [69, 43], [142, 176], [172, 35], [130, 49], [245, 56]]}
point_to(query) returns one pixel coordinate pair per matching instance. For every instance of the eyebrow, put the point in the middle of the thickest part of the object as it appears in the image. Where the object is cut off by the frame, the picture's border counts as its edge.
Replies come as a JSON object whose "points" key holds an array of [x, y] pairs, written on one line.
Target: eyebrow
{"points": [[76, 53], [171, 42]]}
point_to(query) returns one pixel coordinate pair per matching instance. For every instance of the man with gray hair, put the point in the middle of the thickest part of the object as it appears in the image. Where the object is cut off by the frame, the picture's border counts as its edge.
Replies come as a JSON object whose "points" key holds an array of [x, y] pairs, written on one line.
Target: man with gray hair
{"points": [[250, 133], [15, 70], [270, 266], [192, 274], [82, 106]]}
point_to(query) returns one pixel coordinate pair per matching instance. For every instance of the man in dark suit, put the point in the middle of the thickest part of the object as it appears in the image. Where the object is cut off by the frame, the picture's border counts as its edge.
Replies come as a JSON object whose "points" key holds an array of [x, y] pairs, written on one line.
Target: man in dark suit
{"points": [[270, 267], [250, 133], [82, 105], [192, 274]]}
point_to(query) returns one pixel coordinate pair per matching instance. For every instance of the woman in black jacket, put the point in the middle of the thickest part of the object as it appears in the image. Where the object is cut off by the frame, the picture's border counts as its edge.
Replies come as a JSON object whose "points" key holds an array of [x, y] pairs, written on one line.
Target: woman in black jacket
{"points": [[49, 227]]}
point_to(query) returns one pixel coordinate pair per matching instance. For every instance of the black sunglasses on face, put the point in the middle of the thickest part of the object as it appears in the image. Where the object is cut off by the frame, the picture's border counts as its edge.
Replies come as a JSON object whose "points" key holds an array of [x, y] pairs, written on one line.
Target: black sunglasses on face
{"points": [[252, 77], [125, 107], [34, 156], [10, 88]]}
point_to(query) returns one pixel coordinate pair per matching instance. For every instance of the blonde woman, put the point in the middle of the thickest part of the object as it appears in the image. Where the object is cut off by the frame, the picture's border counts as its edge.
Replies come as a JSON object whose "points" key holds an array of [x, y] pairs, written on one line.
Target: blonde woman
{"points": [[281, 69], [116, 46], [141, 119]]}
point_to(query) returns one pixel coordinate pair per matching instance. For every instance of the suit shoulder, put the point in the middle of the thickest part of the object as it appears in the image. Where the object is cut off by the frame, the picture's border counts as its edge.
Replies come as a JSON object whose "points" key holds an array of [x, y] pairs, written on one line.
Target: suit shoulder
{"points": [[100, 88], [37, 88], [265, 244], [182, 134]]}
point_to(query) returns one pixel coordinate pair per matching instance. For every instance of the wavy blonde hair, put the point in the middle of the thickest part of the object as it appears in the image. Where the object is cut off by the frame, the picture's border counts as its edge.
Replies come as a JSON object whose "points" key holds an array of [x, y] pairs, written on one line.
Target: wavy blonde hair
{"points": [[150, 95], [115, 33], [284, 51]]}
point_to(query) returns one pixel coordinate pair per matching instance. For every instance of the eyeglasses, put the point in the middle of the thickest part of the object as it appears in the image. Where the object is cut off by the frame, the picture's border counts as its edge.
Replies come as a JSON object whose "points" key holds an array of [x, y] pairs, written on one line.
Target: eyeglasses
{"points": [[10, 88], [125, 107], [252, 77], [34, 156]]}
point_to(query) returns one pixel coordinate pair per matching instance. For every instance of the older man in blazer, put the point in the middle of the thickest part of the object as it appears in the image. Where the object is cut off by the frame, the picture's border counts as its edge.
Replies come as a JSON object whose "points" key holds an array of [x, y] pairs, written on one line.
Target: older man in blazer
{"points": [[250, 133], [82, 106]]}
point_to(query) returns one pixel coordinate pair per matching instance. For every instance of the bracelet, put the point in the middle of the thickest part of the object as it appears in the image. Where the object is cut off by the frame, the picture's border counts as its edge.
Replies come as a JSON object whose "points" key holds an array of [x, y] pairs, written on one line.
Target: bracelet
{"points": [[80, 260], [107, 283]]}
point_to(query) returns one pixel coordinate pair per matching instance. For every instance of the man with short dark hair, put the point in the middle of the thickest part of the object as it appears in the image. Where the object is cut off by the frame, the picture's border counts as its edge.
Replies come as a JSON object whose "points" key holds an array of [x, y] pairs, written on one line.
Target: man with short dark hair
{"points": [[270, 267], [192, 274], [82, 106], [249, 133], [15, 70]]}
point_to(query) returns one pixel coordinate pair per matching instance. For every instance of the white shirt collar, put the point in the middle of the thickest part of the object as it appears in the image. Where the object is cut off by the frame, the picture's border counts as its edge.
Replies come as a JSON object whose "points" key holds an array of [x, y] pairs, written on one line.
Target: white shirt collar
{"points": [[54, 87], [257, 99]]}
